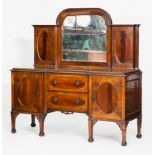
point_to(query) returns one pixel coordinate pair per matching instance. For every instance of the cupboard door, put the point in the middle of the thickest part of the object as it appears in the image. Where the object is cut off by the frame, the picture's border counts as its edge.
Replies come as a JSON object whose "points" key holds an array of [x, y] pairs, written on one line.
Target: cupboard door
{"points": [[124, 44], [44, 45], [27, 93], [106, 97]]}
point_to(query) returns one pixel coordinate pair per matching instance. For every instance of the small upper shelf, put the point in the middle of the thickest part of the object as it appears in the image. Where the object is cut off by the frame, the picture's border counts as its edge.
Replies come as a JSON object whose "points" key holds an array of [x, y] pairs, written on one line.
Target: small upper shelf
{"points": [[83, 31], [84, 51]]}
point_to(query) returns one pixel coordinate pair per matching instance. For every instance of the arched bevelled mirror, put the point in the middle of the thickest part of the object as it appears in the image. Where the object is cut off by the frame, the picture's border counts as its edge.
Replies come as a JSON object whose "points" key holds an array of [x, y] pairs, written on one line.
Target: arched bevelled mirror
{"points": [[83, 36]]}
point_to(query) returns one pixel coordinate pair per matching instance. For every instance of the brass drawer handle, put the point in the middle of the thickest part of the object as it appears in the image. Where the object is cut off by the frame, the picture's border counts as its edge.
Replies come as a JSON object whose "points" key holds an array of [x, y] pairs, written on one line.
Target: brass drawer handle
{"points": [[77, 101], [54, 99], [54, 82], [77, 83], [67, 112]]}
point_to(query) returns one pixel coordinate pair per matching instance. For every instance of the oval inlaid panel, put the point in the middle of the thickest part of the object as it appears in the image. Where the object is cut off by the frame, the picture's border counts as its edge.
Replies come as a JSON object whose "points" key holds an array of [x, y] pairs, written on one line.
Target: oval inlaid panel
{"points": [[43, 46], [24, 92], [106, 97], [123, 44]]}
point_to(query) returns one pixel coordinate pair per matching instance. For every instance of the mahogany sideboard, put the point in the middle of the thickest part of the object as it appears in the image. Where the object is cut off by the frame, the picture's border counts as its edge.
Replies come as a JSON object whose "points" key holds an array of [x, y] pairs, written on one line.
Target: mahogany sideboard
{"points": [[82, 64]]}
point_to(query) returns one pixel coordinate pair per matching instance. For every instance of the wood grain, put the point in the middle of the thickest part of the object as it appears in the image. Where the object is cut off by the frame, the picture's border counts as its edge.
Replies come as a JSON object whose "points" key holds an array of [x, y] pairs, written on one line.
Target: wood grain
{"points": [[67, 101], [66, 82]]}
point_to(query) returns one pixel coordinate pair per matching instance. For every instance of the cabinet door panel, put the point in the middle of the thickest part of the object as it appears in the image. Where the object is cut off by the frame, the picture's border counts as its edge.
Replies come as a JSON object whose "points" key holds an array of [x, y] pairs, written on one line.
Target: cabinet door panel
{"points": [[27, 94], [124, 46], [44, 45], [106, 97]]}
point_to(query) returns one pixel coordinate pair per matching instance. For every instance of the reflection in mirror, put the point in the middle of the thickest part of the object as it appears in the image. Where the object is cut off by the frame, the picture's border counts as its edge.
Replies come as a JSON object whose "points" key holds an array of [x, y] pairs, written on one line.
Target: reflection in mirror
{"points": [[84, 38]]}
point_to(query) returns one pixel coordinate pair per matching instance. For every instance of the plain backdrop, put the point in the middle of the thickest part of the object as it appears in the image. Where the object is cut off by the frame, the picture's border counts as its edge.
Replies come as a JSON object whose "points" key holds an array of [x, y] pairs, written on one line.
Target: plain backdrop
{"points": [[68, 134]]}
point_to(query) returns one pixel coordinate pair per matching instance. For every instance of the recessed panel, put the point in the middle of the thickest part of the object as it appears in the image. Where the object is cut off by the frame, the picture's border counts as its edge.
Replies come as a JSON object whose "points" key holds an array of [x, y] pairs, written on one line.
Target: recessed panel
{"points": [[43, 47], [122, 46], [24, 92], [106, 97]]}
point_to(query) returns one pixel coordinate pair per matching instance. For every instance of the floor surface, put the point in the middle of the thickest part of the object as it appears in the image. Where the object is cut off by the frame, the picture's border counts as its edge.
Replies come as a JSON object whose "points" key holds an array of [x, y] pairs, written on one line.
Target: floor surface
{"points": [[67, 134]]}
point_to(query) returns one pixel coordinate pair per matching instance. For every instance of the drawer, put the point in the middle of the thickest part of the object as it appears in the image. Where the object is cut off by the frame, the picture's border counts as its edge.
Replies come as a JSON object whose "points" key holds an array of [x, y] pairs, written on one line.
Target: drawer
{"points": [[66, 101], [65, 82]]}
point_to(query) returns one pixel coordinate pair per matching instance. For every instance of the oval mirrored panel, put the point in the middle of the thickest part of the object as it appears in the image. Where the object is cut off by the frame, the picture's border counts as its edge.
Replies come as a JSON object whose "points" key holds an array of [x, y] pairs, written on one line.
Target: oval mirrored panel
{"points": [[84, 38]]}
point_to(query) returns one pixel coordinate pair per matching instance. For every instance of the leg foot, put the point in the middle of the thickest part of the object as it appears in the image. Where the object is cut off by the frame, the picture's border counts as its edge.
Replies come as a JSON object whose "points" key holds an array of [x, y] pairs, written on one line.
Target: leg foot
{"points": [[13, 130], [33, 124], [139, 136], [41, 134], [139, 123], [13, 121], [124, 143], [90, 139], [90, 129]]}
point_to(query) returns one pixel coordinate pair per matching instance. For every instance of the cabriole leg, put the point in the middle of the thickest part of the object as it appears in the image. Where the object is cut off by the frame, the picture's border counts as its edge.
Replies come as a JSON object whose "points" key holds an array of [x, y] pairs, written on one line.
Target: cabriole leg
{"points": [[90, 129], [13, 121], [139, 123], [33, 124]]}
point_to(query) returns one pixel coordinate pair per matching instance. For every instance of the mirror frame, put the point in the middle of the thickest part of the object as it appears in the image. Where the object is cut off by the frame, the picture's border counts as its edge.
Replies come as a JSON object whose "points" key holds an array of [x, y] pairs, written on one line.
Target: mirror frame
{"points": [[83, 11]]}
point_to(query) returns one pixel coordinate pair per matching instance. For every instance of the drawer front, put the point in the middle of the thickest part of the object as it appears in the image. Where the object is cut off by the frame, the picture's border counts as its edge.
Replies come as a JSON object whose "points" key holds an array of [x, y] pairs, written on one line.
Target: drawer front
{"points": [[64, 82], [67, 101]]}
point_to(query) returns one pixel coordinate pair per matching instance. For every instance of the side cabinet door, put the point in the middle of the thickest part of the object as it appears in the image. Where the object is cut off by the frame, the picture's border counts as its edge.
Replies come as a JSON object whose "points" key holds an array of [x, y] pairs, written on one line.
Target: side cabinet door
{"points": [[27, 92], [124, 46], [45, 45], [106, 97]]}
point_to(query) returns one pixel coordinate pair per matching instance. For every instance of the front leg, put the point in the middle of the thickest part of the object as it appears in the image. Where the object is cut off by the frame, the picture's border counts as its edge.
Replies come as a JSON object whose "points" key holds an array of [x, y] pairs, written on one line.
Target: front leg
{"points": [[33, 124], [123, 127], [41, 118], [90, 129], [13, 121], [139, 124]]}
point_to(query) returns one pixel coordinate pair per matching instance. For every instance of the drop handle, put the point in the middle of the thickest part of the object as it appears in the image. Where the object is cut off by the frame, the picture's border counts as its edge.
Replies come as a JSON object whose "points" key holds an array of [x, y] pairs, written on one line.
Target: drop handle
{"points": [[77, 101], [77, 83], [54, 99], [54, 82]]}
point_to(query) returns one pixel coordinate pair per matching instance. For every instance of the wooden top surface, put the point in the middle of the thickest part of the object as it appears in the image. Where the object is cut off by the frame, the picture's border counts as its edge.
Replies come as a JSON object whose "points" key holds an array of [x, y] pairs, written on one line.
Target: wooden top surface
{"points": [[78, 70]]}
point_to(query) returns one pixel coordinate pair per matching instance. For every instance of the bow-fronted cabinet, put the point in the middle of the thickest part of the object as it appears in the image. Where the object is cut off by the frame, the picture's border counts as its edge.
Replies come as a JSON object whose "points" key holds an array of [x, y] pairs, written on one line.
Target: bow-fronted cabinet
{"points": [[86, 64]]}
